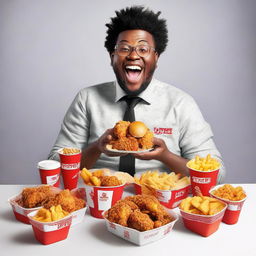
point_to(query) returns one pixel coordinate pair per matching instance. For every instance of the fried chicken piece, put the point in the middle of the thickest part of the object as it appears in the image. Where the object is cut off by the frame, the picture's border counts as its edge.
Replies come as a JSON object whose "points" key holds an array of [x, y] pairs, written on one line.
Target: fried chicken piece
{"points": [[121, 129], [35, 196], [67, 201], [140, 221], [119, 213], [110, 181], [125, 143], [146, 142]]}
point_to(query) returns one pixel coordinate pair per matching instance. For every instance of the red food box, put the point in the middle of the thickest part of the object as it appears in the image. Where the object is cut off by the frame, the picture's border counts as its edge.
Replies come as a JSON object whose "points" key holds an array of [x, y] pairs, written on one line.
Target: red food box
{"points": [[50, 232], [204, 225]]}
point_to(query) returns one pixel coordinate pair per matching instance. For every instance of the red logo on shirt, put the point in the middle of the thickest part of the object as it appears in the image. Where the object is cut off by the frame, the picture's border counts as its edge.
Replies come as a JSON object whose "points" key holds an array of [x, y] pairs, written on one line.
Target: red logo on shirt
{"points": [[158, 130]]}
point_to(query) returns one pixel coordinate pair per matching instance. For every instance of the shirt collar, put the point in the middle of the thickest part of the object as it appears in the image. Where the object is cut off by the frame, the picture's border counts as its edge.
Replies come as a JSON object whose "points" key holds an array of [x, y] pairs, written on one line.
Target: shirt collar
{"points": [[146, 95]]}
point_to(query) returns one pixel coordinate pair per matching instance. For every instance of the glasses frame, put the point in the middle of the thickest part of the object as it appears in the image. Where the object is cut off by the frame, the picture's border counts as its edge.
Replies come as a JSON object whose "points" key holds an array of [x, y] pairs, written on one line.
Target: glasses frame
{"points": [[134, 48]]}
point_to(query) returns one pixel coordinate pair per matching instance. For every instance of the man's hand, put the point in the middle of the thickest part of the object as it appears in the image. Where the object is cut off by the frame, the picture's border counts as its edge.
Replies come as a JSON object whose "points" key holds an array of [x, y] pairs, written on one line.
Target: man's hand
{"points": [[104, 140], [157, 154]]}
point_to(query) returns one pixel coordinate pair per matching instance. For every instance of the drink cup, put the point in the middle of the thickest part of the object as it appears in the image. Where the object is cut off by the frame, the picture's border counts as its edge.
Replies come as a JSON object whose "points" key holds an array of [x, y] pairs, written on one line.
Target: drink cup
{"points": [[100, 199], [49, 172], [70, 167], [202, 181]]}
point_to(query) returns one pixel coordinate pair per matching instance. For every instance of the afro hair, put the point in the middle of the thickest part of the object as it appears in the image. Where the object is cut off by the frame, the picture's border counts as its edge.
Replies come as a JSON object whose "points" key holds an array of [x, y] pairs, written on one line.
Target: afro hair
{"points": [[137, 17]]}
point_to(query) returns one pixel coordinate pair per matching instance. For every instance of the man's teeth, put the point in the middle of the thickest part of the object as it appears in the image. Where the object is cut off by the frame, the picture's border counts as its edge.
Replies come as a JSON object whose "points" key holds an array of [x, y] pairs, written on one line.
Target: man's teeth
{"points": [[133, 67]]}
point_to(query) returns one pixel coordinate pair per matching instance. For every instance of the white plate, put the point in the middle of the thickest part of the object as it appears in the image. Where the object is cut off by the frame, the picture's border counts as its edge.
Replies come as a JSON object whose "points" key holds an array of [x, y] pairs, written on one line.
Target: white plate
{"points": [[110, 149]]}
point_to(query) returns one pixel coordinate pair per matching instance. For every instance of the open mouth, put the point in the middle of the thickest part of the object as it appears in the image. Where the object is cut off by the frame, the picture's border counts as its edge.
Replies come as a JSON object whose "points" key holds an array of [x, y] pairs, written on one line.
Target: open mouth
{"points": [[133, 73]]}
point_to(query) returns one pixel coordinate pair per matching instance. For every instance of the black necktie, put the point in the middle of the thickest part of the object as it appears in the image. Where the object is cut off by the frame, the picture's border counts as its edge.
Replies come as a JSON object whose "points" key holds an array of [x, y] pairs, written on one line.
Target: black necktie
{"points": [[127, 163]]}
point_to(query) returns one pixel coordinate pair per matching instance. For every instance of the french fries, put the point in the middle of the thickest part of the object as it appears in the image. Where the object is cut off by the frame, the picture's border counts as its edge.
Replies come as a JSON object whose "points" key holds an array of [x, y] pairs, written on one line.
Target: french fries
{"points": [[70, 151], [202, 205], [55, 213], [91, 178], [162, 181], [204, 163], [229, 192]]}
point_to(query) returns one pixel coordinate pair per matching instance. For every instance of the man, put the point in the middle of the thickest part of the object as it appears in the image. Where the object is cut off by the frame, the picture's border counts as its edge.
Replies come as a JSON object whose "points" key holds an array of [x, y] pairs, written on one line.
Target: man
{"points": [[136, 38]]}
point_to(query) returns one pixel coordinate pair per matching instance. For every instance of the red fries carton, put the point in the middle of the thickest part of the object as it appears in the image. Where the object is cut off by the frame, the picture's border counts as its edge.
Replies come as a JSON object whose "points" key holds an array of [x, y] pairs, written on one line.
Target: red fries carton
{"points": [[233, 210], [204, 225], [70, 167], [168, 198], [100, 199], [202, 181], [141, 238], [20, 212], [50, 232], [49, 172]]}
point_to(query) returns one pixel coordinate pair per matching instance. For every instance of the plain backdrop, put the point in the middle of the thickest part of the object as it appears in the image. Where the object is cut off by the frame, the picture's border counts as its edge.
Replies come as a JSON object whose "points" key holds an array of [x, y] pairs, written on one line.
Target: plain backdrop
{"points": [[49, 50]]}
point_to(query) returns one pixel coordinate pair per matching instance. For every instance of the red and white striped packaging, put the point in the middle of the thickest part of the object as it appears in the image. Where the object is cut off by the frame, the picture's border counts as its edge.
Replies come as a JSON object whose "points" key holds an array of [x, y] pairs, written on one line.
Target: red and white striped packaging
{"points": [[138, 237]]}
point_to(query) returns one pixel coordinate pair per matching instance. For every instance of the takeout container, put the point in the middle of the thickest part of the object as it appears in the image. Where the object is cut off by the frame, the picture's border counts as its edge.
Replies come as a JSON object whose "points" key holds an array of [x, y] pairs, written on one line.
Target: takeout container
{"points": [[70, 167], [100, 199], [21, 213], [233, 210], [49, 172], [168, 198], [138, 237], [202, 181], [50, 232], [204, 225]]}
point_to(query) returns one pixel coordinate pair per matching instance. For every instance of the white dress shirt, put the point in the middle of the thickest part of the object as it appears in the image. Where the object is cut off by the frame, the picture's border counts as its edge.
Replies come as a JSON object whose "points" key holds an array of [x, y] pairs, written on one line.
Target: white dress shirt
{"points": [[169, 112]]}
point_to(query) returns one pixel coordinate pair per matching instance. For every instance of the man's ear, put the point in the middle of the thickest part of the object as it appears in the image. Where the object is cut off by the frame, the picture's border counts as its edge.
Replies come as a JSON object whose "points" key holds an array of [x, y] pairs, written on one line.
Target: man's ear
{"points": [[111, 58]]}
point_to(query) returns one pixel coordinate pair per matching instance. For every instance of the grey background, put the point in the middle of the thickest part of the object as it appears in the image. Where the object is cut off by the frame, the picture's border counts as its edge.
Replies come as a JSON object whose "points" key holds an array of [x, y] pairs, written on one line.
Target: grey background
{"points": [[49, 50]]}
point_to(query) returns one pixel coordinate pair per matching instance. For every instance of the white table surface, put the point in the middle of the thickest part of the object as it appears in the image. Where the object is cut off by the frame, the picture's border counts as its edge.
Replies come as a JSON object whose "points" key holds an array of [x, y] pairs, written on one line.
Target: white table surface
{"points": [[92, 238]]}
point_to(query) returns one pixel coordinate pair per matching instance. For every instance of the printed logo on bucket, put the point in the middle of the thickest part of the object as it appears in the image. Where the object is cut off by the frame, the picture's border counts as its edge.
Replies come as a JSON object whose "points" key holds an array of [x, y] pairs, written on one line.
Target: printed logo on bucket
{"points": [[70, 166], [179, 194], [104, 197], [201, 180]]}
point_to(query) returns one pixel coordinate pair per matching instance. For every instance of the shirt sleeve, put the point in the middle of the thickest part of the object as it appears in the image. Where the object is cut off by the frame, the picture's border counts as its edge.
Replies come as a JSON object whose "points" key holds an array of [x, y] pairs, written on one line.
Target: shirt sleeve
{"points": [[196, 137], [75, 127]]}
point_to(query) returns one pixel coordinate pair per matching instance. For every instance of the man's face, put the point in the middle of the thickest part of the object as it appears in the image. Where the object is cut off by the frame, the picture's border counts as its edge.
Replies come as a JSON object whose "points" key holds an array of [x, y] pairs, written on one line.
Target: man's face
{"points": [[133, 71]]}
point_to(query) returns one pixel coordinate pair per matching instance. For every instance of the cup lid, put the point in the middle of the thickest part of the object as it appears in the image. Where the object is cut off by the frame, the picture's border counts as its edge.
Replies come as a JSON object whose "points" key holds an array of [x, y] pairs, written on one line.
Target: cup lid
{"points": [[48, 164]]}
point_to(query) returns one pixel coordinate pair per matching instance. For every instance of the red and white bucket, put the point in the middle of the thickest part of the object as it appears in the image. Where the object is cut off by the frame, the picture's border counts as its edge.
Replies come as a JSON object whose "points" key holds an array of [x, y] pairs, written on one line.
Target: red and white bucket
{"points": [[233, 210], [168, 198], [50, 232], [100, 199], [70, 167]]}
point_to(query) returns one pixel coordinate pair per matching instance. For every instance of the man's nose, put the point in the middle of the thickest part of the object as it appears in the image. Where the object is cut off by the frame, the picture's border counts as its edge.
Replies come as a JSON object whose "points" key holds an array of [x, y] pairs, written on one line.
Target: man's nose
{"points": [[133, 54]]}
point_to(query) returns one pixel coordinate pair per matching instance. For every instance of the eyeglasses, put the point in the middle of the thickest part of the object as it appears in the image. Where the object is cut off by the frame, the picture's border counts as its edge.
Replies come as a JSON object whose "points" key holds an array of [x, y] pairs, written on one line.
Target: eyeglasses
{"points": [[141, 50]]}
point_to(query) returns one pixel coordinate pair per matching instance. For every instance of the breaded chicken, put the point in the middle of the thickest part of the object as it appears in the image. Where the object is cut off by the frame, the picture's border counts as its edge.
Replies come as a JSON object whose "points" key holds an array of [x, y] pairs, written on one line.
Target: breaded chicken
{"points": [[119, 213], [146, 142], [67, 201], [121, 129], [35, 196], [110, 181], [140, 221], [125, 143]]}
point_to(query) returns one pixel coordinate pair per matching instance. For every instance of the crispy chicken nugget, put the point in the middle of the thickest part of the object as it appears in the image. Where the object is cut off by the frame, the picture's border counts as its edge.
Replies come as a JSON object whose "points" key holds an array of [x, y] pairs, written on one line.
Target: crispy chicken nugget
{"points": [[146, 142], [125, 143], [140, 221], [121, 128], [110, 181]]}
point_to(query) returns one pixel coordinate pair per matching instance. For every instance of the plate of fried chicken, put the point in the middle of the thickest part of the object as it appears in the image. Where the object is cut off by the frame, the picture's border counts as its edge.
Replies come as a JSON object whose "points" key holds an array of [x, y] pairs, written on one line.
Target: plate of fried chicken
{"points": [[129, 137]]}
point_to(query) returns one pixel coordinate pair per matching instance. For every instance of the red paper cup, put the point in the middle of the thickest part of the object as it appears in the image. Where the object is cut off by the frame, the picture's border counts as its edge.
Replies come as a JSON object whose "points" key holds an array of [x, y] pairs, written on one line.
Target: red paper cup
{"points": [[202, 181], [234, 208], [204, 225], [100, 199], [49, 172], [168, 198], [50, 232], [70, 167]]}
